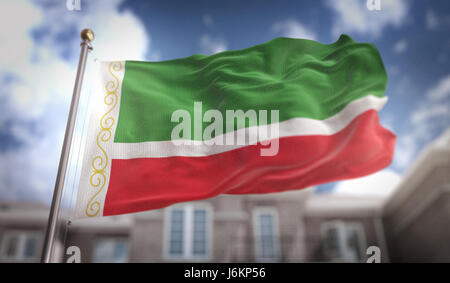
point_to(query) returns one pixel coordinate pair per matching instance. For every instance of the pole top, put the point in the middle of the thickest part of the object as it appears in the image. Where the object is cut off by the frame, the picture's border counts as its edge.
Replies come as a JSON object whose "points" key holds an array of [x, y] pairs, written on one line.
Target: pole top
{"points": [[87, 35]]}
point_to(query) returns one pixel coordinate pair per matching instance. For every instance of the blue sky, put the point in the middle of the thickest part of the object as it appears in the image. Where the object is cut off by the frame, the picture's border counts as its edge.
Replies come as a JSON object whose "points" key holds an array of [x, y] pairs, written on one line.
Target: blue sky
{"points": [[40, 50]]}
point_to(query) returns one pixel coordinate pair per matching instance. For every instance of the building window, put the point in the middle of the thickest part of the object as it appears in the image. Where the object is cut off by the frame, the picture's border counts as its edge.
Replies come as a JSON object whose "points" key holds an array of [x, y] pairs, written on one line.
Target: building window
{"points": [[266, 233], [176, 232], [189, 232], [114, 250], [199, 232], [20, 246], [343, 241]]}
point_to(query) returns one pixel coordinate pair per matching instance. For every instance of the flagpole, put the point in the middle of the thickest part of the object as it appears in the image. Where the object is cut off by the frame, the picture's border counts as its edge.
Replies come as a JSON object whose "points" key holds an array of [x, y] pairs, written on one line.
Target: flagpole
{"points": [[87, 36]]}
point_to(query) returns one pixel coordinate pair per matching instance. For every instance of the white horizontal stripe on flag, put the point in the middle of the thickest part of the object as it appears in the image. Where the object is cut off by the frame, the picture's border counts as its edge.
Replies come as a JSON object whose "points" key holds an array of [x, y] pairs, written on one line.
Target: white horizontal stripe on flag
{"points": [[288, 128]]}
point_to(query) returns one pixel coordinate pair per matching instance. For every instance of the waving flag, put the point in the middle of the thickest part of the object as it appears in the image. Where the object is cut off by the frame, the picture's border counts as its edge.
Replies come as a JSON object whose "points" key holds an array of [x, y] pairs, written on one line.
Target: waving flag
{"points": [[160, 132]]}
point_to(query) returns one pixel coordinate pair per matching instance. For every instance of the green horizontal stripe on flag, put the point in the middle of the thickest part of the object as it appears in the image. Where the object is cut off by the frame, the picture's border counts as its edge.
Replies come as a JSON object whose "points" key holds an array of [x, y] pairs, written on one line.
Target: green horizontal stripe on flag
{"points": [[300, 78]]}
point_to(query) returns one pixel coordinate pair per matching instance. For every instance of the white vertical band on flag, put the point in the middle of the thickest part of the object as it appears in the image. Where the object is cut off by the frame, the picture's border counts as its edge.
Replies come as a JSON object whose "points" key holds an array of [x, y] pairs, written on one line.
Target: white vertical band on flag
{"points": [[94, 179]]}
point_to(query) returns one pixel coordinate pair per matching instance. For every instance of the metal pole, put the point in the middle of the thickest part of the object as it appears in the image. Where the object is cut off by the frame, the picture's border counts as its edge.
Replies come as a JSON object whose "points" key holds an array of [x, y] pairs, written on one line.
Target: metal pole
{"points": [[86, 36]]}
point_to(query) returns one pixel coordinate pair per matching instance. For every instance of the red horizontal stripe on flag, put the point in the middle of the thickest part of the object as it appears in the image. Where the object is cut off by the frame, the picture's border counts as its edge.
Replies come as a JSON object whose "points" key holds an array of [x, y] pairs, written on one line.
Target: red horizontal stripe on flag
{"points": [[361, 148]]}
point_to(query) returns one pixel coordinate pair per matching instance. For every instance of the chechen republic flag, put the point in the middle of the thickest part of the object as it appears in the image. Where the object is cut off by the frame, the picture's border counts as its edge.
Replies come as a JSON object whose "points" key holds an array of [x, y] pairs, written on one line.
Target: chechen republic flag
{"points": [[162, 133]]}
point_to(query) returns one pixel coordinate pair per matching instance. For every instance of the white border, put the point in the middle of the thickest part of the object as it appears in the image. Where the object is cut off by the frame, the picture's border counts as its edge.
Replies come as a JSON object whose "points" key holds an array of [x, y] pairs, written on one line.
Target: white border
{"points": [[99, 108]]}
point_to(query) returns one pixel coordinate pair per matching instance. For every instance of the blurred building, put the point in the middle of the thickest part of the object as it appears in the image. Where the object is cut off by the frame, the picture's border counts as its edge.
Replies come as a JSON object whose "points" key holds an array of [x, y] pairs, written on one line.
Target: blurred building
{"points": [[297, 226], [417, 216]]}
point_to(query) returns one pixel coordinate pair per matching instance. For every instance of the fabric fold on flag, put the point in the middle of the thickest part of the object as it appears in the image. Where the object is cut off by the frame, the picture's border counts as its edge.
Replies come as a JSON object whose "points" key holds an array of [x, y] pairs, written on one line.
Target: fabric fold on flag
{"points": [[327, 98]]}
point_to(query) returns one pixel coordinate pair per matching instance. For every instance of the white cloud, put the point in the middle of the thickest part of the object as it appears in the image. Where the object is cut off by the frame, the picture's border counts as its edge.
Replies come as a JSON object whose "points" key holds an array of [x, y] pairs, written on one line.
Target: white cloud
{"points": [[431, 113], [294, 29], [404, 83], [41, 72], [400, 46], [405, 150], [208, 21], [436, 105], [16, 44], [115, 31], [441, 91], [387, 120], [211, 45], [353, 16], [380, 184], [393, 70], [431, 20]]}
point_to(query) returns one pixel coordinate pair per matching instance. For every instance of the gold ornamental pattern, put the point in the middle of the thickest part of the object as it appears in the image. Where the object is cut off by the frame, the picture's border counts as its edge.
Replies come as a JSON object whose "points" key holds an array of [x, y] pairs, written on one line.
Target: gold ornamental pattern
{"points": [[100, 162]]}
